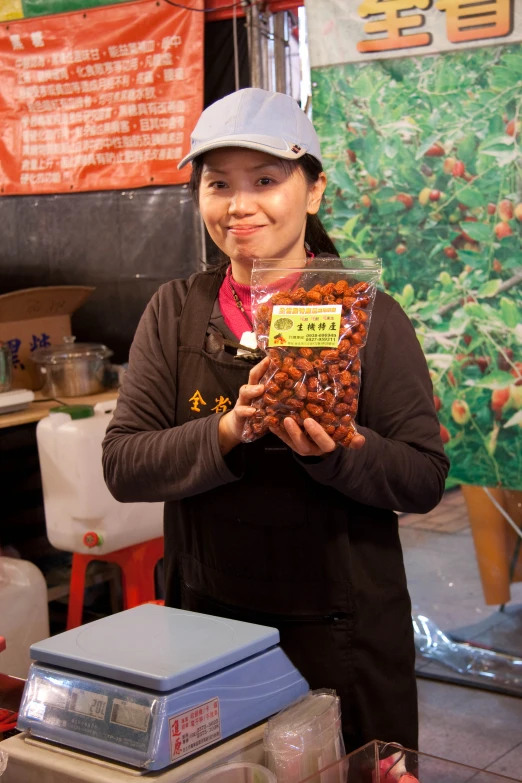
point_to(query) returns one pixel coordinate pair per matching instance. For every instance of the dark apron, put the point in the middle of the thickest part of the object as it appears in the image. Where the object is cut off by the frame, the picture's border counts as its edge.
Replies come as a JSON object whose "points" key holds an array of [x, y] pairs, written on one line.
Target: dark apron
{"points": [[280, 549]]}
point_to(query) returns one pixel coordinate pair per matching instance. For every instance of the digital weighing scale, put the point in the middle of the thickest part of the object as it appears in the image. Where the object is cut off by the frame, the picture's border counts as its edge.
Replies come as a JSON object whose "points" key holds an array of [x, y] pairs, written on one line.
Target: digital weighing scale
{"points": [[152, 686]]}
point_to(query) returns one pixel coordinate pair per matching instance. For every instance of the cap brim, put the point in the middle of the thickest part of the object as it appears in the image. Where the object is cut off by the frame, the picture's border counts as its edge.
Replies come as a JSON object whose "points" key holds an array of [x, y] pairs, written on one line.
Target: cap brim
{"points": [[270, 145]]}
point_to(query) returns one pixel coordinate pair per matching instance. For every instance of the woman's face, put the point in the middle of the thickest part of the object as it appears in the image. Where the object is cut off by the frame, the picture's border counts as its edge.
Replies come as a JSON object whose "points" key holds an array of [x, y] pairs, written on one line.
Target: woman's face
{"points": [[252, 208]]}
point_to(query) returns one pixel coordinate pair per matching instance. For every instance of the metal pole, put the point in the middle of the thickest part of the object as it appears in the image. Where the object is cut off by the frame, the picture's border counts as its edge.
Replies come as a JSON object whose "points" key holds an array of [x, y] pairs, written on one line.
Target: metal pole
{"points": [[264, 30], [255, 48], [279, 51]]}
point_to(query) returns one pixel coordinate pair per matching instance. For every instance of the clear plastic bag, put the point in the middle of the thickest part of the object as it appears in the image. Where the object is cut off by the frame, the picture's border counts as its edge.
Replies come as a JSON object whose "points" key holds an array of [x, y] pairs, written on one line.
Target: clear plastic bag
{"points": [[305, 737], [312, 319]]}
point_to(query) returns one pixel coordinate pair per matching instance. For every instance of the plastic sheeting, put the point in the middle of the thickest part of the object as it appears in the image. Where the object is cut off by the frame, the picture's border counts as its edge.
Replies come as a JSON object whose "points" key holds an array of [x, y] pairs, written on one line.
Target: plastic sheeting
{"points": [[483, 667], [126, 243]]}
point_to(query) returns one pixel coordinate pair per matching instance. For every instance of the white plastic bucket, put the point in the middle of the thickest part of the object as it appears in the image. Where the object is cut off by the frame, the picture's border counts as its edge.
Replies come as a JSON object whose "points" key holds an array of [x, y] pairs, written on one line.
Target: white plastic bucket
{"points": [[80, 513], [24, 613]]}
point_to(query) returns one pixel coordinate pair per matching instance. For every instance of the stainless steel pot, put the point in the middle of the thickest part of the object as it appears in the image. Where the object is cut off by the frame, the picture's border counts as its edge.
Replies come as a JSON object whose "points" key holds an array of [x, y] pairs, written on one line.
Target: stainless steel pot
{"points": [[6, 368], [72, 369]]}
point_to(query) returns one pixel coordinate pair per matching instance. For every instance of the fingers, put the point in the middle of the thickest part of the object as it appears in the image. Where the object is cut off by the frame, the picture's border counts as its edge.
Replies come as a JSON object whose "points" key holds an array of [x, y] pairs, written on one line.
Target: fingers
{"points": [[247, 393], [298, 441], [244, 411], [319, 437], [257, 372], [357, 442]]}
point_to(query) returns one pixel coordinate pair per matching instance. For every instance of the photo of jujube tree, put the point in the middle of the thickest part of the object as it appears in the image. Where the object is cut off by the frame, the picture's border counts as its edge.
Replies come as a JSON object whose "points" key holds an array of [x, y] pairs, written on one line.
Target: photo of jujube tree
{"points": [[424, 162]]}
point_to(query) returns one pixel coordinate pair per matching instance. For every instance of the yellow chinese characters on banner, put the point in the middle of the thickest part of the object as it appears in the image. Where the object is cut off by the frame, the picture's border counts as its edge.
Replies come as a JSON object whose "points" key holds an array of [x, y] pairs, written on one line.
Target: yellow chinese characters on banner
{"points": [[393, 25], [472, 21], [466, 20]]}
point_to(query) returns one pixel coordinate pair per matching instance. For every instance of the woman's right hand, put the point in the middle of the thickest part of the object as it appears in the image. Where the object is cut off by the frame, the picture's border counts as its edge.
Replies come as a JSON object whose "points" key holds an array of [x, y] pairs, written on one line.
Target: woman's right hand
{"points": [[231, 424]]}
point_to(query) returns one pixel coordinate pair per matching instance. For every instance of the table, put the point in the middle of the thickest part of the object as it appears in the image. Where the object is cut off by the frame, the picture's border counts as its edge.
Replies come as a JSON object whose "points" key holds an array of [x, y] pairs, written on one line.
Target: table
{"points": [[38, 410]]}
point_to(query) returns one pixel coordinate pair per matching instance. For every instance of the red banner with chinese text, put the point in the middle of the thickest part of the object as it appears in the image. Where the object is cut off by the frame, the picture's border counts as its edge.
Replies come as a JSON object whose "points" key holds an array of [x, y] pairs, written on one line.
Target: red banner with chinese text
{"points": [[101, 99]]}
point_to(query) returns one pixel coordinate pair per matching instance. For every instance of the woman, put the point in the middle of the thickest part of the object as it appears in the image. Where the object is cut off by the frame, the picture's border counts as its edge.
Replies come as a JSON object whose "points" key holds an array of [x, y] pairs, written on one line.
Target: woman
{"points": [[286, 531]]}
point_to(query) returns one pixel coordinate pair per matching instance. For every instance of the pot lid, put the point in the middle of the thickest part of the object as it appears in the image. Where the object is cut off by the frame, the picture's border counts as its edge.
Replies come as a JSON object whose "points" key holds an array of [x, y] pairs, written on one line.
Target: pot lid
{"points": [[70, 350]]}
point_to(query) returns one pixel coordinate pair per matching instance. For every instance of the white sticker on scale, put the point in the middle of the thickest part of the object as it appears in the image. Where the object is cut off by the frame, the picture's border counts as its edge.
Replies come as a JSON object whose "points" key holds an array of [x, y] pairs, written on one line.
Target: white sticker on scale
{"points": [[36, 710], [194, 729]]}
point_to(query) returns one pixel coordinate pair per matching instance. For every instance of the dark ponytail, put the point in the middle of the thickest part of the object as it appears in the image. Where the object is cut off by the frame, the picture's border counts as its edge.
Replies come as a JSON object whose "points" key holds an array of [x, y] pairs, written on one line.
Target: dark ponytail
{"points": [[316, 237]]}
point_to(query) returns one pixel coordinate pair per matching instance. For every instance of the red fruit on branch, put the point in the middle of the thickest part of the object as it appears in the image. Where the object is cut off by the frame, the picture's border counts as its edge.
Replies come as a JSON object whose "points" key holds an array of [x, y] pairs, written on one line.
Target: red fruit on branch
{"points": [[499, 398], [516, 372], [435, 195], [458, 169], [497, 266], [460, 411], [372, 182], [352, 157], [483, 363], [503, 230], [405, 199], [451, 379], [463, 208], [518, 212], [401, 248], [424, 196], [505, 359], [463, 233], [366, 201], [467, 338], [448, 165], [513, 128], [435, 151], [437, 403], [505, 210], [450, 252], [444, 434], [492, 208]]}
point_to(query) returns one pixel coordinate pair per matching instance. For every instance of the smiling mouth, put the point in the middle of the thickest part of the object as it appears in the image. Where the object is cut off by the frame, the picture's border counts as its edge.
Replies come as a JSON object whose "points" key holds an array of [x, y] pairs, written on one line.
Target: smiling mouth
{"points": [[243, 230]]}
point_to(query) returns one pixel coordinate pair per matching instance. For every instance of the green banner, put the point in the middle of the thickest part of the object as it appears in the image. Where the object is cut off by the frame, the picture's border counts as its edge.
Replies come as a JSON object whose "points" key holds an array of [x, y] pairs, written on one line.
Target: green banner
{"points": [[27, 9], [424, 164]]}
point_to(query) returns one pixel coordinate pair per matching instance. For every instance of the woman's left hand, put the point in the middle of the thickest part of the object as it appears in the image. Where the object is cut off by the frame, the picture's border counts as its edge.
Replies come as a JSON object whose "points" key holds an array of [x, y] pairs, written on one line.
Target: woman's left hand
{"points": [[314, 442]]}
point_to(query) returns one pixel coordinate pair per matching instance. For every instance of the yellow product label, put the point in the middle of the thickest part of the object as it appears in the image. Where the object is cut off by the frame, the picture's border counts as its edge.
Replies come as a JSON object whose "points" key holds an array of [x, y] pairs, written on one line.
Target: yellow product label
{"points": [[305, 326], [11, 9]]}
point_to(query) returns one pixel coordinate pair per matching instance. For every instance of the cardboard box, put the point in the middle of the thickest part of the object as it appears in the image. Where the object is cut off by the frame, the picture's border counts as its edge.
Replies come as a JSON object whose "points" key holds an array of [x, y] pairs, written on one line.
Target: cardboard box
{"points": [[37, 318]]}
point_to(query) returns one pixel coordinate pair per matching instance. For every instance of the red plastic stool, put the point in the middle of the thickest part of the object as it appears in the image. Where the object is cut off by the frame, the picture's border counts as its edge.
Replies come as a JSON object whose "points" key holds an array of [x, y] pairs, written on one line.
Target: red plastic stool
{"points": [[137, 565]]}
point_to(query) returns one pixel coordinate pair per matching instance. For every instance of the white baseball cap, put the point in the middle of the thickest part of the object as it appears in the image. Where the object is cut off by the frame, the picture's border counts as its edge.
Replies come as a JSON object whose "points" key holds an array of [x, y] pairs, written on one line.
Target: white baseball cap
{"points": [[257, 119]]}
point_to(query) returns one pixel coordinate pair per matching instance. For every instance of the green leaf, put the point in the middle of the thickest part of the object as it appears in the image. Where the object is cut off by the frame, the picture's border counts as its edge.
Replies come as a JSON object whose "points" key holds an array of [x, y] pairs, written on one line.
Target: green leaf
{"points": [[349, 226], [510, 313], [389, 207], [390, 149], [466, 148], [408, 295], [363, 85], [428, 310], [459, 319], [515, 419], [502, 158], [471, 197], [489, 289], [480, 232], [496, 125], [343, 180], [475, 310], [501, 142], [495, 380]]}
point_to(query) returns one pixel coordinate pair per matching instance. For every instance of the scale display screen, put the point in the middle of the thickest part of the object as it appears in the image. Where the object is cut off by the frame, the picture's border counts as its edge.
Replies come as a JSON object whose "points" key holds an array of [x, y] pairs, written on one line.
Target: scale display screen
{"points": [[95, 708]]}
